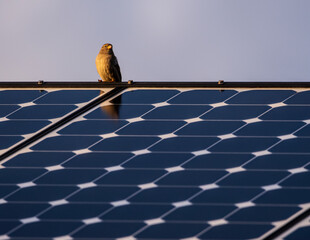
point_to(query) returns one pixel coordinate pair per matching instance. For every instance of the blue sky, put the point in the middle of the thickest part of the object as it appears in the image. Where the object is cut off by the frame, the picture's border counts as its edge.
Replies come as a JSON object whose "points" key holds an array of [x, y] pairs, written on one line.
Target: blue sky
{"points": [[156, 40]]}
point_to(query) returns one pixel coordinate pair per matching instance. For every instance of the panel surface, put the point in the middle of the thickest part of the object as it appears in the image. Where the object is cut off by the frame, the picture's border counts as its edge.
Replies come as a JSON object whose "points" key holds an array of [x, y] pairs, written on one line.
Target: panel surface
{"points": [[165, 164], [25, 112]]}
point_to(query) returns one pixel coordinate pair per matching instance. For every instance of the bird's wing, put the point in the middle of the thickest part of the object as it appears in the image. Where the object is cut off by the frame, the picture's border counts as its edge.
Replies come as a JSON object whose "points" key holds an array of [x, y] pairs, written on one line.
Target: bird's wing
{"points": [[116, 70]]}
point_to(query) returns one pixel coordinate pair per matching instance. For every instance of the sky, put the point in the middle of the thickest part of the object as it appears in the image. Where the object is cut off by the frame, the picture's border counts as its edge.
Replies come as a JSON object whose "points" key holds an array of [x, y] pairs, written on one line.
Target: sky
{"points": [[156, 40]]}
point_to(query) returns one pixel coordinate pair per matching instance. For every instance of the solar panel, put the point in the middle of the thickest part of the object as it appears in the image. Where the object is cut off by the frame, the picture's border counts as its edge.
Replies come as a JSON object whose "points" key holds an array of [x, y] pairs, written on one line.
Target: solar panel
{"points": [[25, 112], [165, 164]]}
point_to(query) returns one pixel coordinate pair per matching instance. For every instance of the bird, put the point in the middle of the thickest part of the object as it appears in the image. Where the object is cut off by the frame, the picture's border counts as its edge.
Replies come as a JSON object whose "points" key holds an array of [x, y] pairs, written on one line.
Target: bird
{"points": [[107, 64]]}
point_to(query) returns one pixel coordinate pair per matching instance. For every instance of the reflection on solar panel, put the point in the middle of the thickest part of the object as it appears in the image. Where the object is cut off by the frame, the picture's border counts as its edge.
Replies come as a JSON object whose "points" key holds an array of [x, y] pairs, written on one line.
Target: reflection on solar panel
{"points": [[24, 112], [164, 164]]}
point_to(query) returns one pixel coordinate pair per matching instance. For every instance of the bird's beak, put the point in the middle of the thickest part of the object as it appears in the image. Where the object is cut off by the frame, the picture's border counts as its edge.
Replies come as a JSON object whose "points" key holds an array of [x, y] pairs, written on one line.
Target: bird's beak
{"points": [[109, 47]]}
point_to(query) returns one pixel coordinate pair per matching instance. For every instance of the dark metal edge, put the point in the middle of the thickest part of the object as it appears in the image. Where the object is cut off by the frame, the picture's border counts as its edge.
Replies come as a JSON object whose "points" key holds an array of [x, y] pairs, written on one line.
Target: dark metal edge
{"points": [[61, 122], [132, 84], [288, 225]]}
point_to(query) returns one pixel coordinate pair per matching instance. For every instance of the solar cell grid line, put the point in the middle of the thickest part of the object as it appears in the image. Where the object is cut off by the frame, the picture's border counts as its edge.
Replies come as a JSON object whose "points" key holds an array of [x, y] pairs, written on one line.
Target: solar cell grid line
{"points": [[169, 191], [25, 112]]}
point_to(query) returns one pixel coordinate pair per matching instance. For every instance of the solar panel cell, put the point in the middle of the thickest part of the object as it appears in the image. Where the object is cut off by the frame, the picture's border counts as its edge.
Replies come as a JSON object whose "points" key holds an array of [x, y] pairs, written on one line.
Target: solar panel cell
{"points": [[253, 178], [6, 109], [157, 160], [75, 211], [19, 175], [212, 128], [202, 97], [260, 97], [172, 230], [6, 189], [109, 230], [102, 194], [233, 112], [70, 176], [164, 194], [38, 159], [217, 161], [236, 231], [97, 160], [297, 180], [68, 97], [199, 213], [184, 144], [137, 212], [278, 161], [295, 145], [42, 112], [20, 210], [145, 96], [263, 214], [176, 112], [92, 127], [293, 196], [121, 143], [191, 177], [7, 141], [227, 195], [304, 132], [275, 128], [7, 226], [130, 177], [21, 127], [70, 143], [41, 193], [122, 111], [20, 96], [150, 128], [287, 113], [45, 229], [244, 144], [299, 98]]}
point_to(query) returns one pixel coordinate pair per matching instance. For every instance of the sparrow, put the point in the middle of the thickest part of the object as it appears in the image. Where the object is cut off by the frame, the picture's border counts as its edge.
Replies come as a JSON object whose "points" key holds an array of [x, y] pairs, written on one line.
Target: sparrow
{"points": [[107, 64]]}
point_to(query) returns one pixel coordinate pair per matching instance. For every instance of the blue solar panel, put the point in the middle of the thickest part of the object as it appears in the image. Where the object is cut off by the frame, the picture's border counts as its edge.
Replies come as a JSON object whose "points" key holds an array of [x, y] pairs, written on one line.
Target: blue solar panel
{"points": [[164, 164], [24, 112]]}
